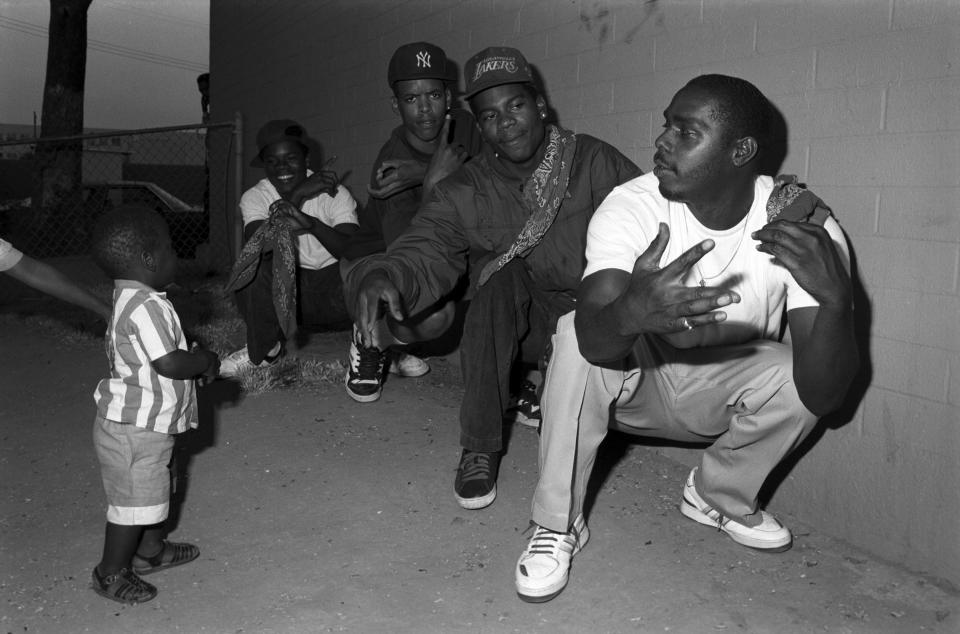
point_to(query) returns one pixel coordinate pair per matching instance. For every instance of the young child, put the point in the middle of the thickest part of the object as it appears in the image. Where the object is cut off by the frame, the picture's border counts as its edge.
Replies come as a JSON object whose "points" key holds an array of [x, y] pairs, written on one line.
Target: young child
{"points": [[148, 399]]}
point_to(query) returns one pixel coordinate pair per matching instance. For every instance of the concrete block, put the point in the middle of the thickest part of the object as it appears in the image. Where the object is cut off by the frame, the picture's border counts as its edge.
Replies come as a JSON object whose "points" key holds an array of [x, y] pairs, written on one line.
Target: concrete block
{"points": [[536, 16], [533, 45], [596, 99], [922, 318], [558, 72], [616, 62], [908, 14], [923, 213], [832, 113], [780, 74], [889, 58], [924, 106], [500, 33], [908, 264], [953, 396], [886, 504], [576, 37], [877, 160], [784, 26], [649, 92], [910, 369], [854, 207], [468, 13], [714, 43], [565, 102], [901, 422], [667, 16], [428, 27]]}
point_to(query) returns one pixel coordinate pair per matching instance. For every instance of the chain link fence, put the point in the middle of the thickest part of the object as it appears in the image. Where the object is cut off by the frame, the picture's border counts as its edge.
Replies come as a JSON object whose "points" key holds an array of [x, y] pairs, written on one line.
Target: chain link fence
{"points": [[181, 172]]}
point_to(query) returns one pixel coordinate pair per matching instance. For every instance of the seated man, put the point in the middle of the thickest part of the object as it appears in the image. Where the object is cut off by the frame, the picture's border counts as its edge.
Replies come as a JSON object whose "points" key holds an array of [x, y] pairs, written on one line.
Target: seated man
{"points": [[514, 219], [322, 216], [689, 272], [417, 155]]}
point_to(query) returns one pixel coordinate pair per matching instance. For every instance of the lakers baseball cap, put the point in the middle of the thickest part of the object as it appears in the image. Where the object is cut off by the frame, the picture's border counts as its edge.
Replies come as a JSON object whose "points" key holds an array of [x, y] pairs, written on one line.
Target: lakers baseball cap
{"points": [[276, 131], [495, 66], [419, 60]]}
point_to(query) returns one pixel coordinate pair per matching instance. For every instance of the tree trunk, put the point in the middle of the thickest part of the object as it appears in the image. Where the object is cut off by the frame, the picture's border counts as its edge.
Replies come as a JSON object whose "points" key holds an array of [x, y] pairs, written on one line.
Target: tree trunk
{"points": [[56, 200]]}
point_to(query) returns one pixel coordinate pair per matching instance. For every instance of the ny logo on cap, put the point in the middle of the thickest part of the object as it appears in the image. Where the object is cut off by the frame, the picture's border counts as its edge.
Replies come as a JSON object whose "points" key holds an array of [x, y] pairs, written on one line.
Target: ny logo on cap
{"points": [[423, 59]]}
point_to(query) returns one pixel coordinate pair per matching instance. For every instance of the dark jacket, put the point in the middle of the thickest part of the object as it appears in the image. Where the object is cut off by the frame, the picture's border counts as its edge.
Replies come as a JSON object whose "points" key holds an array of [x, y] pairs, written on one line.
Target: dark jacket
{"points": [[477, 212]]}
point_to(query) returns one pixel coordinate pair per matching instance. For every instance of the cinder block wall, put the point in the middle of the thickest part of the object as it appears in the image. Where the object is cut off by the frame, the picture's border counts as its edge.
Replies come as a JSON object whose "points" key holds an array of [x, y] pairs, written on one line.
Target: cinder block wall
{"points": [[870, 92]]}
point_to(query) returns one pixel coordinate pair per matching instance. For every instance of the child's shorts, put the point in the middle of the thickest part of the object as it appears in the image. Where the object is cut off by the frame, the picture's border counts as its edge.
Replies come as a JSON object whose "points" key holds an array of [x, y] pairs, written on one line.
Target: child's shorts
{"points": [[134, 467]]}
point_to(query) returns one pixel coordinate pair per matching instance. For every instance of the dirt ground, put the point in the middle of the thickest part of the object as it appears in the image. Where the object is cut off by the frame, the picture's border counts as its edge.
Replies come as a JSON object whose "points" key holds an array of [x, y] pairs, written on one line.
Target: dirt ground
{"points": [[314, 514]]}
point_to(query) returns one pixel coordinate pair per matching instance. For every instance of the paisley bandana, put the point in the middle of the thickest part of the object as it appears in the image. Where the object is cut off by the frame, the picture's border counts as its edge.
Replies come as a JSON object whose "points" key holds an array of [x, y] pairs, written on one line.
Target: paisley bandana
{"points": [[791, 201], [542, 194], [279, 235]]}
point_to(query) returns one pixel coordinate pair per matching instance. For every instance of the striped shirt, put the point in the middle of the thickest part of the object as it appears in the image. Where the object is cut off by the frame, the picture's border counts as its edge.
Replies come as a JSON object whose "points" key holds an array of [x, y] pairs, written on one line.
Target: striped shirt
{"points": [[144, 327]]}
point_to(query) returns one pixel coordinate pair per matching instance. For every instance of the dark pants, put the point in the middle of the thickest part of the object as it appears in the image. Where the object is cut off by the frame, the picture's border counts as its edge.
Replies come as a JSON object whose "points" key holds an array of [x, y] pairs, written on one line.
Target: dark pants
{"points": [[509, 319], [319, 305]]}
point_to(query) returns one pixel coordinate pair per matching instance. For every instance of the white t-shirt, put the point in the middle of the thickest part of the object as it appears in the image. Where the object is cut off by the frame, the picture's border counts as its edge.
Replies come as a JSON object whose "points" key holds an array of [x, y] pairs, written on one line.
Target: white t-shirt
{"points": [[255, 205], [628, 219], [9, 255]]}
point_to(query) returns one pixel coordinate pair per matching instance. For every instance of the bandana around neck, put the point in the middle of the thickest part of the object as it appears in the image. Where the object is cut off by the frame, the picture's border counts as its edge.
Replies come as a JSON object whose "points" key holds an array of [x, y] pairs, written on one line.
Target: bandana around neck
{"points": [[543, 192]]}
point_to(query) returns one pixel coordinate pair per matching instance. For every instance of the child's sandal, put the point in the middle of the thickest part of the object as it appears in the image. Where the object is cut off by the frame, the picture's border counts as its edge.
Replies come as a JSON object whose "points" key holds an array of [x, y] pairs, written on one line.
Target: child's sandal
{"points": [[170, 555], [123, 587]]}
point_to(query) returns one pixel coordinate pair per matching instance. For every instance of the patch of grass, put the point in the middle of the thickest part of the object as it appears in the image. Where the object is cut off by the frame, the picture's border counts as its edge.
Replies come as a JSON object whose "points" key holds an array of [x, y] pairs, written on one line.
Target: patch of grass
{"points": [[289, 373]]}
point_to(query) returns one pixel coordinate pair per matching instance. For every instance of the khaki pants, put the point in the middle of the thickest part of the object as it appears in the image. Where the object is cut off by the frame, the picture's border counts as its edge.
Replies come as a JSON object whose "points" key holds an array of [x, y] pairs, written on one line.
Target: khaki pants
{"points": [[740, 398]]}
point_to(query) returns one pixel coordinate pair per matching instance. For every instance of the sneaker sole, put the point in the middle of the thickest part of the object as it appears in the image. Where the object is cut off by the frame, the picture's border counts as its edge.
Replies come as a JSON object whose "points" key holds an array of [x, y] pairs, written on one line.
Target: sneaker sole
{"points": [[477, 503], [361, 398], [779, 546], [542, 595], [526, 421]]}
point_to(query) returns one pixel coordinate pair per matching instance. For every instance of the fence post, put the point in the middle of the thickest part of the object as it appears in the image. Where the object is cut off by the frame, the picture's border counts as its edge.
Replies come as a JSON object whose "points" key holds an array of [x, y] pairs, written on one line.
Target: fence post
{"points": [[237, 182]]}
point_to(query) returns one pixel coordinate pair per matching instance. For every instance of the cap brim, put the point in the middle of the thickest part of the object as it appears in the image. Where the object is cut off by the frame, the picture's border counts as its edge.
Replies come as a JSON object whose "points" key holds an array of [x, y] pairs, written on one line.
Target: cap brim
{"points": [[477, 91]]}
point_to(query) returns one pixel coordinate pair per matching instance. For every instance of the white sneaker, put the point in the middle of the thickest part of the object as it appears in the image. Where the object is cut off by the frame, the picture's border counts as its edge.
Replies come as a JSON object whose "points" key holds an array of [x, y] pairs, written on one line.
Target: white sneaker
{"points": [[404, 364], [769, 535], [544, 566], [239, 361]]}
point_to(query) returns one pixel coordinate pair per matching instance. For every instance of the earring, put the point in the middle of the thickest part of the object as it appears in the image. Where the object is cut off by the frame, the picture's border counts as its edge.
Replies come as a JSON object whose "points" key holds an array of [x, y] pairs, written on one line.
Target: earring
{"points": [[543, 115]]}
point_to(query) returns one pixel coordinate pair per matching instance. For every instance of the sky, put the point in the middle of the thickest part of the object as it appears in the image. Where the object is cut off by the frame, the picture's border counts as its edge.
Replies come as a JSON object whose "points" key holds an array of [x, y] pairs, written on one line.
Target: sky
{"points": [[143, 58]]}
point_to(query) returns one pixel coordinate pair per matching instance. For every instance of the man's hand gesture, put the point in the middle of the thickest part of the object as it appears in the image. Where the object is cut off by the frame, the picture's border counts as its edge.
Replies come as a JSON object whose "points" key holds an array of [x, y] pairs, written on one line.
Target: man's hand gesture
{"points": [[808, 252], [657, 301], [446, 160], [323, 181]]}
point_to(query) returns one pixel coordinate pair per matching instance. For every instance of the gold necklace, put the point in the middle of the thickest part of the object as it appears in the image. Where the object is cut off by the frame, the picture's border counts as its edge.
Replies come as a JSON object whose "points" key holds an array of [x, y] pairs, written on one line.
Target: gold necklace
{"points": [[704, 278]]}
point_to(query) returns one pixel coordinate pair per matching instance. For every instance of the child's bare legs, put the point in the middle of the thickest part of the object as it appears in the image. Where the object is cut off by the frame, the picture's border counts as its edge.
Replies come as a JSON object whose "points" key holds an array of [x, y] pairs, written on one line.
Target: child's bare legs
{"points": [[121, 542]]}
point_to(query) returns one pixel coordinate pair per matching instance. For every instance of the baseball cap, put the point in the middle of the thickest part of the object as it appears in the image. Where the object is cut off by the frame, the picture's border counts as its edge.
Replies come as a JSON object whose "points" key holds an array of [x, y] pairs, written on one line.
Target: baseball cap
{"points": [[495, 66], [419, 60], [276, 131]]}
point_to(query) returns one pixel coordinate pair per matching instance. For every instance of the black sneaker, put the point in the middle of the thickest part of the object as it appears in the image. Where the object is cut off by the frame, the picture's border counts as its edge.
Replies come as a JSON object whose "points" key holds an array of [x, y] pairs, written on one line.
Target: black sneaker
{"points": [[364, 379], [476, 483], [525, 406]]}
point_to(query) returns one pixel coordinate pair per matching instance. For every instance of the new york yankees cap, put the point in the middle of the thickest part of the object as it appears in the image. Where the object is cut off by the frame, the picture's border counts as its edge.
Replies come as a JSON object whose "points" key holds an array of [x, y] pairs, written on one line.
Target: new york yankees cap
{"points": [[495, 66], [419, 60]]}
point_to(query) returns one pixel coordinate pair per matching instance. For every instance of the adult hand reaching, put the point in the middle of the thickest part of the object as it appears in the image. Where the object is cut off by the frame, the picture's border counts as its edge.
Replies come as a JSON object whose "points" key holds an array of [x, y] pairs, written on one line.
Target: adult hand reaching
{"points": [[376, 292], [396, 175]]}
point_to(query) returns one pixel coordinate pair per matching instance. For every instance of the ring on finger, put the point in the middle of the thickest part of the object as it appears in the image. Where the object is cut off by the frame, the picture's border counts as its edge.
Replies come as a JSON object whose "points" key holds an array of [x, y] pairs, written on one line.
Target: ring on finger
{"points": [[685, 323]]}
